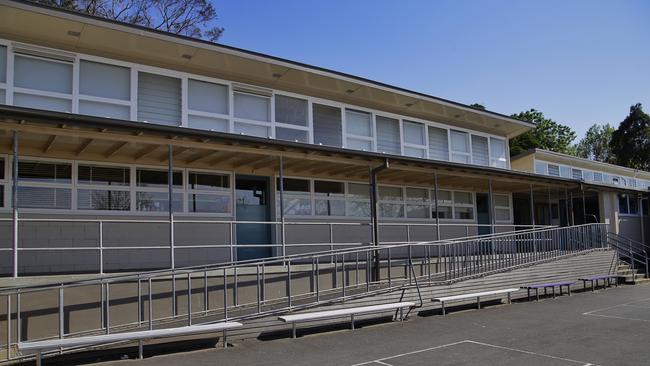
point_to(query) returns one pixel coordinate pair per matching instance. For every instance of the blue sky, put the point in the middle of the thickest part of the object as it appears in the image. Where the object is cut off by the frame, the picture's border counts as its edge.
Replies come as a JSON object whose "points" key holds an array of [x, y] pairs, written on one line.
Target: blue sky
{"points": [[580, 62]]}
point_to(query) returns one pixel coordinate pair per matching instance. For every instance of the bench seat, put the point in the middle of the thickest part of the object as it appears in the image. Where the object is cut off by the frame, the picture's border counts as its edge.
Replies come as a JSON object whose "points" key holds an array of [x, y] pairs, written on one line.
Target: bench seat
{"points": [[40, 346], [477, 295], [547, 285], [607, 280], [327, 314]]}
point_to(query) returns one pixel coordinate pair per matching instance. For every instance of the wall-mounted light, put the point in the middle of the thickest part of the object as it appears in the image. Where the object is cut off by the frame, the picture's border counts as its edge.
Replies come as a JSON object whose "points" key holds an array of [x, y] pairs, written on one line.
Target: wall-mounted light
{"points": [[186, 56], [74, 33]]}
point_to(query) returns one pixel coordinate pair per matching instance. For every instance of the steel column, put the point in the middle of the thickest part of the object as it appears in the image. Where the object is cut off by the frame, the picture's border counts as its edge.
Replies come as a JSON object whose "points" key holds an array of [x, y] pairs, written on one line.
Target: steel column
{"points": [[375, 221], [584, 207], [491, 205], [435, 200], [170, 186], [281, 172], [14, 204], [532, 206]]}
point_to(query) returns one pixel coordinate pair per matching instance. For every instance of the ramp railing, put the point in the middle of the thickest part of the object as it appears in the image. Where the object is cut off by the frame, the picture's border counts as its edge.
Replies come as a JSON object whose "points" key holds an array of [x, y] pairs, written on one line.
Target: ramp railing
{"points": [[630, 251], [258, 288]]}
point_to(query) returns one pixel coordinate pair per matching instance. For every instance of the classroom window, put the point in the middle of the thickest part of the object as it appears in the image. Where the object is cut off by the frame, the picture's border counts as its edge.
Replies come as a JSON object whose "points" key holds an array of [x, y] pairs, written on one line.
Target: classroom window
{"points": [[460, 147], [388, 136], [414, 139], [329, 198], [159, 99], [327, 125]]}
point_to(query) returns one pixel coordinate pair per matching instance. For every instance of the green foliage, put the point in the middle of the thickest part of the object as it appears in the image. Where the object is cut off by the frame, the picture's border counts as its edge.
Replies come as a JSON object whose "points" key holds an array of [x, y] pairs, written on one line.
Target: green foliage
{"points": [[595, 144], [193, 18], [547, 135], [477, 106], [631, 141]]}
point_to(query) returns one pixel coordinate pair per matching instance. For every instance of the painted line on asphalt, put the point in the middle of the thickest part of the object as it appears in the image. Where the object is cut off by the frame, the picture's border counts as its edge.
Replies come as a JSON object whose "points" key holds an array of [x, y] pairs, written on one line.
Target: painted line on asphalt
{"points": [[614, 306], [619, 317], [530, 353], [380, 360]]}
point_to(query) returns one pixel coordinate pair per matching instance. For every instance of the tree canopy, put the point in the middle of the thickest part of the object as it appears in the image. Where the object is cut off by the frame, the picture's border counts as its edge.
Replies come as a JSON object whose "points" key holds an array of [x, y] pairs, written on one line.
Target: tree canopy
{"points": [[193, 18], [631, 141], [547, 135], [595, 144]]}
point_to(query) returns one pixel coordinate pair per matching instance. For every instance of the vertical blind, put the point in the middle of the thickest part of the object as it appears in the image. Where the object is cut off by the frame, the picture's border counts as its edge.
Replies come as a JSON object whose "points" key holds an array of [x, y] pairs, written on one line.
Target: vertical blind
{"points": [[388, 136], [480, 150], [159, 99], [327, 125], [438, 143]]}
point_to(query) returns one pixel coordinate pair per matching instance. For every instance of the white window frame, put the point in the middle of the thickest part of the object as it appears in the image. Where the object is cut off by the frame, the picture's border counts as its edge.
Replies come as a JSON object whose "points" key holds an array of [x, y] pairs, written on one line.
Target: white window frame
{"points": [[229, 192], [509, 208]]}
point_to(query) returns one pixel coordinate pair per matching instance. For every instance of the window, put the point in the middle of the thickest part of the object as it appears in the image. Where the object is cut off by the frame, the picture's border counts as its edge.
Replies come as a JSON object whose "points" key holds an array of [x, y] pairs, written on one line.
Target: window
{"points": [[291, 115], [256, 111], [207, 105], [103, 80], [159, 99], [417, 203], [628, 205], [553, 170], [463, 206], [95, 195], [391, 202], [209, 193], [152, 190], [445, 205], [297, 196], [44, 185], [438, 143], [498, 153], [480, 154], [414, 139], [358, 200], [565, 172], [3, 73], [103, 176], [358, 127], [460, 147], [598, 177], [329, 198], [388, 136], [589, 175], [540, 167], [502, 207], [576, 173], [327, 125], [34, 77]]}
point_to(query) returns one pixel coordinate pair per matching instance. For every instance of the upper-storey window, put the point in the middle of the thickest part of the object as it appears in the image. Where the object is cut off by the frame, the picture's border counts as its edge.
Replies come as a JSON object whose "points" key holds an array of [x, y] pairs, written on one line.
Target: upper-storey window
{"points": [[480, 154], [576, 173], [415, 139], [208, 106], [327, 125], [42, 83], [252, 114], [159, 99], [554, 170], [438, 143], [291, 119], [104, 90], [388, 136], [3, 74], [460, 147], [565, 172], [359, 130], [498, 153]]}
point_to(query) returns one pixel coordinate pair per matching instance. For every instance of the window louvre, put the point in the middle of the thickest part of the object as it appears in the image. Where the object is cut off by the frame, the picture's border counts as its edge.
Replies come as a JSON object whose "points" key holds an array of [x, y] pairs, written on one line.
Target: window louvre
{"points": [[159, 99]]}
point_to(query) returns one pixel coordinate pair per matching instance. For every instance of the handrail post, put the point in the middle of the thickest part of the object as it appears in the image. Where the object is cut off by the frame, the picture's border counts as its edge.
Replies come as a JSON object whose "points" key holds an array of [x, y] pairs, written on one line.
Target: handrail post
{"points": [[101, 247], [170, 187], [14, 204], [282, 233]]}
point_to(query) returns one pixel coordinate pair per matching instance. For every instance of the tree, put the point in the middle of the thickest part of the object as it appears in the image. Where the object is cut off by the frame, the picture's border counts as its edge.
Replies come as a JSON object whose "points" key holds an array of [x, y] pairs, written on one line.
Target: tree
{"points": [[595, 144], [547, 135], [631, 141], [193, 18], [477, 106]]}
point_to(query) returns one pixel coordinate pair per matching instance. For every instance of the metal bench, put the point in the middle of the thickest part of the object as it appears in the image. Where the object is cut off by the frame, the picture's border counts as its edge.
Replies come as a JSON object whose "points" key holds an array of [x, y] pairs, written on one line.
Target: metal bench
{"points": [[607, 280], [477, 295], [327, 314], [551, 285], [140, 336]]}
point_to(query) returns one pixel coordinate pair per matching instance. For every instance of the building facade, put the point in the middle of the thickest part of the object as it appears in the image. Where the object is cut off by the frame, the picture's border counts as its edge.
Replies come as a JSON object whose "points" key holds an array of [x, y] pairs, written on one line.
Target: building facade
{"points": [[125, 149]]}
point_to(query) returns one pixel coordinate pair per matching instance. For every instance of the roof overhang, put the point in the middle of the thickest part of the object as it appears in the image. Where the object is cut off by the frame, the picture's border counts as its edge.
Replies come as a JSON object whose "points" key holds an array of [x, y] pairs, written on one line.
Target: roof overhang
{"points": [[56, 28]]}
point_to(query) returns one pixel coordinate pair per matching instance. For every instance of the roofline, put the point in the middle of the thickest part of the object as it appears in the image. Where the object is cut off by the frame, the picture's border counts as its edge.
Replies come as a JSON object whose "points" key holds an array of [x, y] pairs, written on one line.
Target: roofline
{"points": [[28, 4], [21, 113], [567, 156]]}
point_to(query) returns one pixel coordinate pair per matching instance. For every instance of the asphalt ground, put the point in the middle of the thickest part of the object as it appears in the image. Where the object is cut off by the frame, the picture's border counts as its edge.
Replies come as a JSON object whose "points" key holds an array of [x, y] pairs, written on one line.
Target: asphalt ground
{"points": [[607, 327]]}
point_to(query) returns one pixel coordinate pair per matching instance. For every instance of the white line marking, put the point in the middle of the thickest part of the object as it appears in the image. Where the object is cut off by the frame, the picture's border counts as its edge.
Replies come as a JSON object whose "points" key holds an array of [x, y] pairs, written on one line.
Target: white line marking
{"points": [[636, 306], [614, 306], [382, 363], [528, 352], [379, 360], [619, 317]]}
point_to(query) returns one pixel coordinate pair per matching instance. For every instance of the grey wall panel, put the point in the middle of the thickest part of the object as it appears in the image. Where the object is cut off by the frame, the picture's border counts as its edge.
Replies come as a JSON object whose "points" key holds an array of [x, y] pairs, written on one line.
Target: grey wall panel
{"points": [[186, 257], [121, 234], [136, 259], [630, 226], [201, 233], [58, 234], [57, 261]]}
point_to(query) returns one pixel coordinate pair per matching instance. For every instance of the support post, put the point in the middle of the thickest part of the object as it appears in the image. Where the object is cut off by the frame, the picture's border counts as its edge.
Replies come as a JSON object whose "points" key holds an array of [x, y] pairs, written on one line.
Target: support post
{"points": [[550, 207], [170, 186], [584, 207], [14, 204], [573, 219], [435, 200], [491, 205], [566, 206], [281, 172], [374, 193], [532, 206]]}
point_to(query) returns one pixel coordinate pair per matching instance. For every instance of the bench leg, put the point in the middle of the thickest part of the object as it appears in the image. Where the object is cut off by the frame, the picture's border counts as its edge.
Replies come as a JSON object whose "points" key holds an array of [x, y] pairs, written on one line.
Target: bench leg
{"points": [[443, 307], [509, 298], [568, 289], [140, 349], [584, 285], [293, 330], [352, 320], [478, 301], [528, 290], [537, 293], [553, 292], [225, 339], [560, 290], [592, 285], [38, 358]]}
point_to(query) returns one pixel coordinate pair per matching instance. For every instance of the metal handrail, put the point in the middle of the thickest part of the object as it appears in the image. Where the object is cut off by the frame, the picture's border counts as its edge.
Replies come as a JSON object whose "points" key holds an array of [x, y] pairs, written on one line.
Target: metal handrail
{"points": [[444, 261], [630, 249]]}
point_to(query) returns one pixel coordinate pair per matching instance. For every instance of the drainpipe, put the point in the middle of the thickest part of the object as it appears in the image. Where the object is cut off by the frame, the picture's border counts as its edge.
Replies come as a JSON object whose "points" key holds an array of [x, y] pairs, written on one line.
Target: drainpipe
{"points": [[374, 195], [14, 204]]}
